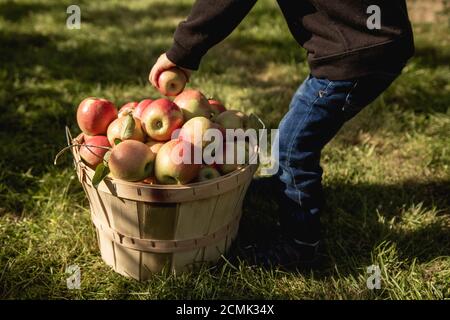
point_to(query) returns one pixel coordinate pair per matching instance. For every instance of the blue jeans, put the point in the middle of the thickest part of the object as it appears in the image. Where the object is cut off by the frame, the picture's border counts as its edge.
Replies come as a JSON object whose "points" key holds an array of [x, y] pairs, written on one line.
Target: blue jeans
{"points": [[317, 112]]}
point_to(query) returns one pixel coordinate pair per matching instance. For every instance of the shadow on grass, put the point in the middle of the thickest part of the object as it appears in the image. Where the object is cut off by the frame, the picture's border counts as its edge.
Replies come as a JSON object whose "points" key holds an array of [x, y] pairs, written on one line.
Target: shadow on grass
{"points": [[357, 220], [125, 17], [91, 60], [15, 12], [34, 114], [432, 56]]}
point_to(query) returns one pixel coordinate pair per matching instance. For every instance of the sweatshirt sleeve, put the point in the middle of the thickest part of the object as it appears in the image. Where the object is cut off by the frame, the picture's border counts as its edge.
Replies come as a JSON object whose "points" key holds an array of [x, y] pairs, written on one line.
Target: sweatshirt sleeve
{"points": [[209, 22]]}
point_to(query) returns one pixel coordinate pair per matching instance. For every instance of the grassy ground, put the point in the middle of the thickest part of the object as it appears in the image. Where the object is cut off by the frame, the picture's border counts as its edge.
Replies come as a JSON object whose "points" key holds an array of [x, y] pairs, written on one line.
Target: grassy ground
{"points": [[386, 175]]}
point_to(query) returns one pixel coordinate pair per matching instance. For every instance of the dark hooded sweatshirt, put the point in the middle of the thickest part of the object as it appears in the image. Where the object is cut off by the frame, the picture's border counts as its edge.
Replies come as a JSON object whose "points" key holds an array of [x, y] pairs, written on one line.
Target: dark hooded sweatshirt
{"points": [[335, 33]]}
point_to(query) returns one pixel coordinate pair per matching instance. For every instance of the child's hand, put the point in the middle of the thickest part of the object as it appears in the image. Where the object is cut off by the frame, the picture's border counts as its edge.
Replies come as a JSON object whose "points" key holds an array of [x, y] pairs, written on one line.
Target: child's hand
{"points": [[162, 64]]}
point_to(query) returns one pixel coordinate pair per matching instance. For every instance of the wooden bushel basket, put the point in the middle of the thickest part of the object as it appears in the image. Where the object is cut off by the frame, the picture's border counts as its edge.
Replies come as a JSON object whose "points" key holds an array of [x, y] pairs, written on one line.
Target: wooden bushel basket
{"points": [[143, 229]]}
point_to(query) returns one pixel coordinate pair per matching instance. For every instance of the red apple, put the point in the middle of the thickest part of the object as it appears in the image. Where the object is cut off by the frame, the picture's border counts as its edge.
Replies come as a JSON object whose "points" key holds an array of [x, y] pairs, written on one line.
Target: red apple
{"points": [[117, 132], [137, 113], [193, 131], [94, 115], [216, 107], [170, 165], [193, 104], [172, 81], [89, 152], [231, 119], [131, 161], [127, 108], [207, 173], [161, 119]]}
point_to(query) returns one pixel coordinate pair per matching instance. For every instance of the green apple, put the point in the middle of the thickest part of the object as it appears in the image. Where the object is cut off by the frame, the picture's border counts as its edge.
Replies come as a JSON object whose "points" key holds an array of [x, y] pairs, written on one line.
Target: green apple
{"points": [[207, 173]]}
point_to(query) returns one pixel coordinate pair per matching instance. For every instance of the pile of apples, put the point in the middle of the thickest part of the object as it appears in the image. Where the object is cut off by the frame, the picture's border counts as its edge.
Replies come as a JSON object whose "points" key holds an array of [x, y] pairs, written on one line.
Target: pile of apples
{"points": [[134, 143]]}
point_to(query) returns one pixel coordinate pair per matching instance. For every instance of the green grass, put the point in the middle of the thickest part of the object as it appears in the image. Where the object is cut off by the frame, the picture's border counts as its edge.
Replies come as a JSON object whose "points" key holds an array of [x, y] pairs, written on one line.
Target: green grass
{"points": [[387, 174]]}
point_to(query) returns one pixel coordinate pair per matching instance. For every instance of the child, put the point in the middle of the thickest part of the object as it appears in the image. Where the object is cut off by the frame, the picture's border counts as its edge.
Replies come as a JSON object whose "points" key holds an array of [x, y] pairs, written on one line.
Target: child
{"points": [[352, 58]]}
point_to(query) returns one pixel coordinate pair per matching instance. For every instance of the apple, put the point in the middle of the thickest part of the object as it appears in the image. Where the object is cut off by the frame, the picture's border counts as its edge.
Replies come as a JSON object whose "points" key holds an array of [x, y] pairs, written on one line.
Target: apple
{"points": [[207, 173], [161, 118], [216, 107], [239, 160], [193, 131], [127, 108], [149, 180], [169, 167], [94, 115], [155, 145], [117, 131], [172, 81], [231, 119], [193, 104], [90, 154], [131, 160], [137, 113]]}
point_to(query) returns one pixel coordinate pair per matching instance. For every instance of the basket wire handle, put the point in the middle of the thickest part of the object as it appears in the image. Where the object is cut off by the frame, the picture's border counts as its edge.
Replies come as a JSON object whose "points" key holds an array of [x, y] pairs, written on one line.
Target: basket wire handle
{"points": [[72, 145], [68, 136], [259, 122]]}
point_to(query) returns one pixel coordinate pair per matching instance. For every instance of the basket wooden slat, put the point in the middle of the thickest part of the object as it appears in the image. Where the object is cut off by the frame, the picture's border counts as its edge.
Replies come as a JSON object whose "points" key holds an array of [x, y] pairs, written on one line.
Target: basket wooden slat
{"points": [[143, 229]]}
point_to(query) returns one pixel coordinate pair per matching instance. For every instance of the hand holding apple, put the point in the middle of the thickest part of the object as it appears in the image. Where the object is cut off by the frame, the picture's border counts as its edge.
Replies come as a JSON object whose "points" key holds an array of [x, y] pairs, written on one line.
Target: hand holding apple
{"points": [[172, 81], [163, 63]]}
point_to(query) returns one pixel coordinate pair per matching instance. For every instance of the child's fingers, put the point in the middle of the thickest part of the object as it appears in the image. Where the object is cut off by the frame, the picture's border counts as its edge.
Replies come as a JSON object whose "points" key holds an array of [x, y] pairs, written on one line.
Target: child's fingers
{"points": [[160, 65], [152, 77]]}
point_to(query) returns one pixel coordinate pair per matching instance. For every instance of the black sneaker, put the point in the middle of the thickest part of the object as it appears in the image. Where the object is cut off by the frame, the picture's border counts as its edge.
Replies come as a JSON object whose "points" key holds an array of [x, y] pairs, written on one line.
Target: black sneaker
{"points": [[286, 254]]}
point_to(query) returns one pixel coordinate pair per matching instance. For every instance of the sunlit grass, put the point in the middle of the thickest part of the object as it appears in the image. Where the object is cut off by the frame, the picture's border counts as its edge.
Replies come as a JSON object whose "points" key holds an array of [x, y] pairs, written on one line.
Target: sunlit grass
{"points": [[386, 174]]}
